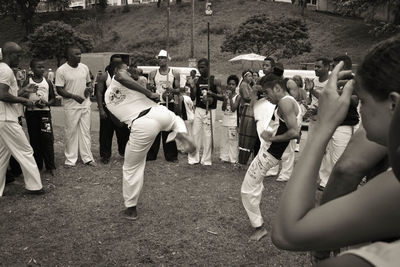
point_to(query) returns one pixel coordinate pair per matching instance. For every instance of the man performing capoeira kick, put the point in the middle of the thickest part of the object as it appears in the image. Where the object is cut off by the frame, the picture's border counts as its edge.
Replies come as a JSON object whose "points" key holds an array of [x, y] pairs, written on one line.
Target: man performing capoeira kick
{"points": [[131, 104], [283, 127]]}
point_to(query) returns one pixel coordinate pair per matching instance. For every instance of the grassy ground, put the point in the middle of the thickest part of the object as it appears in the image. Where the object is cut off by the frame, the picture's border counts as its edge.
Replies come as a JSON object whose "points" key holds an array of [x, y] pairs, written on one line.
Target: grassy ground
{"points": [[189, 215], [143, 28]]}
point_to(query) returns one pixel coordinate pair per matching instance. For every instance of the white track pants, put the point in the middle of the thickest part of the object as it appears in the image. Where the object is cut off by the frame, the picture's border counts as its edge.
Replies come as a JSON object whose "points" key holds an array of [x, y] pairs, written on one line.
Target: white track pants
{"points": [[77, 136], [252, 185], [202, 136], [14, 142], [143, 132], [189, 125], [229, 149], [334, 150]]}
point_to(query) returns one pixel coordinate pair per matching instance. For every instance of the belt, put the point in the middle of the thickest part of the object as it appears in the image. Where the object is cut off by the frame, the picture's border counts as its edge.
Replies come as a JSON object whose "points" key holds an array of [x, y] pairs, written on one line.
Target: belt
{"points": [[141, 114]]}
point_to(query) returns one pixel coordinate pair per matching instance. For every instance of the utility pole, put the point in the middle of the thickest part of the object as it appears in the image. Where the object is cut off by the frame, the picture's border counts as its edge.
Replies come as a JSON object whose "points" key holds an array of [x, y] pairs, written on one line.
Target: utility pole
{"points": [[192, 35]]}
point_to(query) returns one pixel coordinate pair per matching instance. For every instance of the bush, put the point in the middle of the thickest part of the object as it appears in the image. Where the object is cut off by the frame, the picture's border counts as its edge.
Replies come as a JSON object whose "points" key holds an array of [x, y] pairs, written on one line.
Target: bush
{"points": [[126, 9]]}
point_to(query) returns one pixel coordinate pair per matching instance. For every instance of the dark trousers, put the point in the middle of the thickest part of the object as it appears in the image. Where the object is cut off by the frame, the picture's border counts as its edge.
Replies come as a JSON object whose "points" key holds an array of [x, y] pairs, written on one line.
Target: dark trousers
{"points": [[41, 138], [170, 150], [107, 128]]}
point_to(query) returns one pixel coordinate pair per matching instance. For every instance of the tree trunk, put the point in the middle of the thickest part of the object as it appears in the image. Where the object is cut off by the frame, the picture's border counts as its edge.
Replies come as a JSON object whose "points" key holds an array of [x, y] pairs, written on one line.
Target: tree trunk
{"points": [[158, 3], [178, 2]]}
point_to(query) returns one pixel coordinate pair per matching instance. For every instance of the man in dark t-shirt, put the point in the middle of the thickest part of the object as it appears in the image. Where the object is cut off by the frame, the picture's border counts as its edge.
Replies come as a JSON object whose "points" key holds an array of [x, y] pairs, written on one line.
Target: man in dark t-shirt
{"points": [[342, 135], [204, 116]]}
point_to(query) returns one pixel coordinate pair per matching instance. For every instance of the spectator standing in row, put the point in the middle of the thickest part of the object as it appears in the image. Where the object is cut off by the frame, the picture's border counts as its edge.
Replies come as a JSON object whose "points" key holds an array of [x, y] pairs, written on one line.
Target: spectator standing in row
{"points": [[229, 141], [38, 118], [203, 118], [167, 83], [12, 138], [108, 123], [342, 134], [73, 84]]}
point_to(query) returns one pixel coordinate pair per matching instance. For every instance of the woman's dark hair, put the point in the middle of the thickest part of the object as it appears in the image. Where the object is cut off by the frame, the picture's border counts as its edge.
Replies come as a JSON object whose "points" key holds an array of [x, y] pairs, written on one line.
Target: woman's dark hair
{"points": [[245, 72], [233, 78], [298, 80], [380, 70]]}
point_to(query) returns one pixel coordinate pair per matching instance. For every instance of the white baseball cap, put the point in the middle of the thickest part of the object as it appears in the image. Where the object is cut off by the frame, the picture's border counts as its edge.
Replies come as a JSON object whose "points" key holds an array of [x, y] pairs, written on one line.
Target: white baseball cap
{"points": [[163, 53]]}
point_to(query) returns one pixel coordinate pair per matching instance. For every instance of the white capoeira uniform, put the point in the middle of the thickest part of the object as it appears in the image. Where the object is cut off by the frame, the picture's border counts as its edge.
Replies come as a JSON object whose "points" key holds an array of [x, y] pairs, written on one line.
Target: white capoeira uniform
{"points": [[268, 156], [145, 119], [12, 138], [229, 150], [77, 116]]}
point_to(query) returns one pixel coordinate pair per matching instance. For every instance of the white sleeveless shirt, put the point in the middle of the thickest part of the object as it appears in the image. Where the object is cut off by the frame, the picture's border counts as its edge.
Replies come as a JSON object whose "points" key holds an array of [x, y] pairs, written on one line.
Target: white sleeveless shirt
{"points": [[124, 103], [42, 93], [162, 82]]}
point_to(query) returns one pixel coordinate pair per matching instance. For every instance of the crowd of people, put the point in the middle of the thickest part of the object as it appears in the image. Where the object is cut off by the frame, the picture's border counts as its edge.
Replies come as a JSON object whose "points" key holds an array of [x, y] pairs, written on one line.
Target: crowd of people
{"points": [[262, 119]]}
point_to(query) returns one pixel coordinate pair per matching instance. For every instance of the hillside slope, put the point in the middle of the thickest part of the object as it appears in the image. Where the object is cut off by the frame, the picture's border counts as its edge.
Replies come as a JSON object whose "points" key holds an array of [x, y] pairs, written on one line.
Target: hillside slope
{"points": [[143, 28]]}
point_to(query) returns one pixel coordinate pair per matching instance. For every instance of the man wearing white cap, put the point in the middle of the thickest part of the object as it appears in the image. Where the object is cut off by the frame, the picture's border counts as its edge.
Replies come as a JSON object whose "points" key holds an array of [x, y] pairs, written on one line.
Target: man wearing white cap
{"points": [[166, 82]]}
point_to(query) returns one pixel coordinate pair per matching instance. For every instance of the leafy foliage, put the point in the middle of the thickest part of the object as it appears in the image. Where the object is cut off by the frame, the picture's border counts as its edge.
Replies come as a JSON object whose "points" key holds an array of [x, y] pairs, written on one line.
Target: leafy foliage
{"points": [[51, 39], [259, 34], [368, 8], [23, 8]]}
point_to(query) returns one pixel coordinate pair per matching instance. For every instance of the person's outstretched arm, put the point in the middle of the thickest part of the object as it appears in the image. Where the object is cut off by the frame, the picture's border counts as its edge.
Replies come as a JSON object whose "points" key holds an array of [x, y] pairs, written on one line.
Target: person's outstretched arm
{"points": [[123, 78], [370, 213]]}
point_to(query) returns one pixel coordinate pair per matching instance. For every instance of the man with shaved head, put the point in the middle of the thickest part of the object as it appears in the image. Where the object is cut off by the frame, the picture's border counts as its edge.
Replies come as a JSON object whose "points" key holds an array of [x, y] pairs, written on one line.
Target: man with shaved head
{"points": [[12, 138], [73, 84]]}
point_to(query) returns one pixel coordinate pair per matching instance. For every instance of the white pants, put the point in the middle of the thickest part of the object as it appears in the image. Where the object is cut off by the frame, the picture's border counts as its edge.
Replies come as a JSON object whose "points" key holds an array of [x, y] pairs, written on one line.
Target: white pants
{"points": [[77, 136], [14, 142], [143, 132], [252, 185], [202, 136], [229, 144], [334, 150], [189, 125], [287, 163]]}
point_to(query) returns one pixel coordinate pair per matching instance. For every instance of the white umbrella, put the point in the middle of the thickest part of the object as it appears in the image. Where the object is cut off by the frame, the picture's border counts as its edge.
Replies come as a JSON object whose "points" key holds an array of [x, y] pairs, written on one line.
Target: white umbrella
{"points": [[248, 57]]}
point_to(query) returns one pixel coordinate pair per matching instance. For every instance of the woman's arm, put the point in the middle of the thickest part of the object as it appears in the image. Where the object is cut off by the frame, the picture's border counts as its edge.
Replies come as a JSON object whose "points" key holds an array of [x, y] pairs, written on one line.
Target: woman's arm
{"points": [[368, 214]]}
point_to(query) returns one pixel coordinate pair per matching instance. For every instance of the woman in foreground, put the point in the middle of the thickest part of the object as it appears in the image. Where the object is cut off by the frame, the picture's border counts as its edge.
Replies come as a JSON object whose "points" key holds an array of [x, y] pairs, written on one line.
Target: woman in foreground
{"points": [[369, 214]]}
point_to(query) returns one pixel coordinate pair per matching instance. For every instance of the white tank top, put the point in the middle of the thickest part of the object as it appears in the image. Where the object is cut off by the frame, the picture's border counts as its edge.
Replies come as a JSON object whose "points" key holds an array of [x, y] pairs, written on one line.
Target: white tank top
{"points": [[163, 81], [124, 103], [42, 93]]}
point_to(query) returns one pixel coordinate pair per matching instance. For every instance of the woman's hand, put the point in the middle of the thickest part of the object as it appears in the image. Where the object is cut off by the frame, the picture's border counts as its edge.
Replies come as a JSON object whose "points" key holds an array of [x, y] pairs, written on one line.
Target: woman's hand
{"points": [[333, 106]]}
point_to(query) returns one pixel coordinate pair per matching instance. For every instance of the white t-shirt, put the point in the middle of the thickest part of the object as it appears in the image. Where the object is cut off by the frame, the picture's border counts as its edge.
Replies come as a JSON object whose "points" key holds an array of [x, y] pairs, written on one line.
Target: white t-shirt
{"points": [[379, 254], [124, 103], [74, 81], [9, 111], [230, 117], [263, 111], [42, 93]]}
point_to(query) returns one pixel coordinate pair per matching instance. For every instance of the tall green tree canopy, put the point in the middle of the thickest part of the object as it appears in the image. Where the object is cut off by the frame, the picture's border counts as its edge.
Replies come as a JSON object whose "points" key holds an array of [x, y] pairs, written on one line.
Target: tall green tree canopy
{"points": [[20, 8], [259, 34], [369, 8], [51, 40]]}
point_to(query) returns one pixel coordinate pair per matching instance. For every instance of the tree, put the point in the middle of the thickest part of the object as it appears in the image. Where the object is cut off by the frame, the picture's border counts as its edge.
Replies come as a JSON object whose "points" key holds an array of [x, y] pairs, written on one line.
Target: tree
{"points": [[369, 8], [51, 39], [23, 8], [259, 34]]}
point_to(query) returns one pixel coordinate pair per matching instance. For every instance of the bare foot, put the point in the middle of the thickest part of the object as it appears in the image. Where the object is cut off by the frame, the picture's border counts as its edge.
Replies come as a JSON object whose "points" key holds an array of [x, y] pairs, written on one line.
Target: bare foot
{"points": [[258, 234], [186, 141]]}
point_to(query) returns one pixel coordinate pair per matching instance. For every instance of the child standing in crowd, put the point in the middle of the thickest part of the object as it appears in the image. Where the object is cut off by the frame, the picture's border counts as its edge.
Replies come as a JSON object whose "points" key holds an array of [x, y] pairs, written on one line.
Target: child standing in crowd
{"points": [[38, 118], [229, 143]]}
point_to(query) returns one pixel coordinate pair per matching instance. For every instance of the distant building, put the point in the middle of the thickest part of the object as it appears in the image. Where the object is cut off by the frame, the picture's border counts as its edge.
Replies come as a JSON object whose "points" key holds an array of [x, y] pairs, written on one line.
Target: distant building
{"points": [[46, 6]]}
